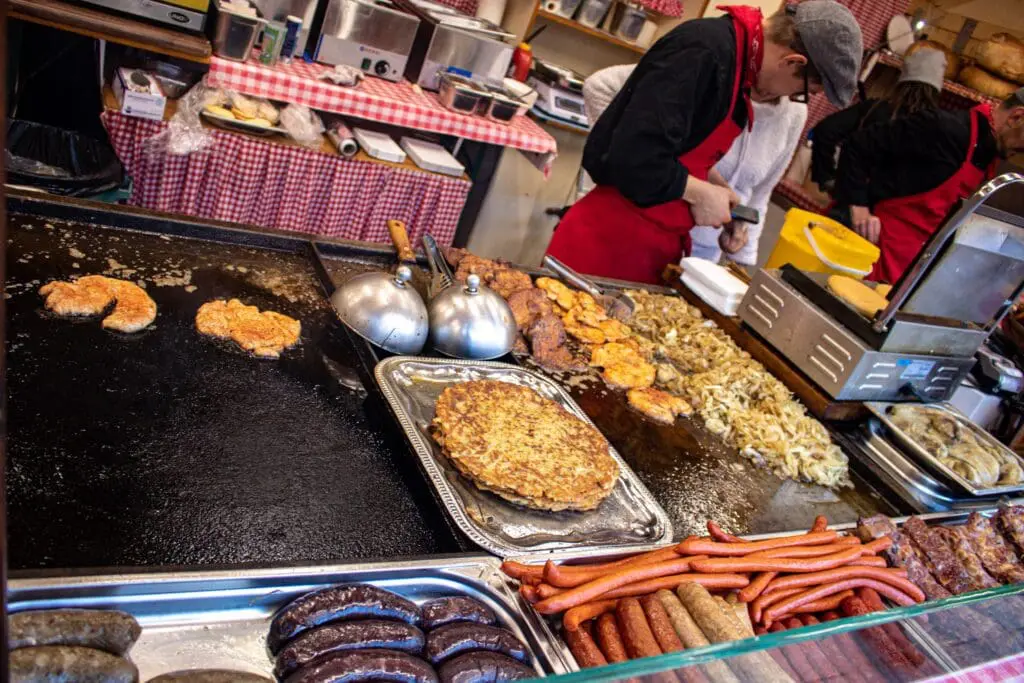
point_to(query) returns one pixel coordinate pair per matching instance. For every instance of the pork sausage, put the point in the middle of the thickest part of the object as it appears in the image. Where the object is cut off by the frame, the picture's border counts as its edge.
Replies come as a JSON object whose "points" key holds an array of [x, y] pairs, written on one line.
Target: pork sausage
{"points": [[62, 663], [661, 625], [458, 608], [584, 649], [337, 603], [484, 667], [609, 639], [209, 676], [366, 665], [454, 639], [108, 630], [347, 635], [636, 634]]}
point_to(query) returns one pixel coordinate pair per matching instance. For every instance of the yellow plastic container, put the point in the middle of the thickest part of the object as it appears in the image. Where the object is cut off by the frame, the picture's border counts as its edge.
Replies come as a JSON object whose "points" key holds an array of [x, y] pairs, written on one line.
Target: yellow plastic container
{"points": [[818, 244]]}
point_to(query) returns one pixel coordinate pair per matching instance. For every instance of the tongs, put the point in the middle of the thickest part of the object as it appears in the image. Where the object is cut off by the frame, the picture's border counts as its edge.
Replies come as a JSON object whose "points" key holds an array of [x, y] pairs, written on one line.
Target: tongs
{"points": [[442, 277], [617, 304]]}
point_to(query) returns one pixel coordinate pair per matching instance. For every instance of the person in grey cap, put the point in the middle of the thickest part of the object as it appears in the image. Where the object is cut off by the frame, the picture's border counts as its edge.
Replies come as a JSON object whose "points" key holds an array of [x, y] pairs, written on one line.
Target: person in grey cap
{"points": [[917, 89], [652, 151], [900, 179]]}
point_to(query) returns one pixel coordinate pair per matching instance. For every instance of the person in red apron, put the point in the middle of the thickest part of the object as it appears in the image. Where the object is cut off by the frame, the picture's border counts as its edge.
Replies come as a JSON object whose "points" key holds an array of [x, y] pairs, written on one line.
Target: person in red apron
{"points": [[912, 174], [652, 151]]}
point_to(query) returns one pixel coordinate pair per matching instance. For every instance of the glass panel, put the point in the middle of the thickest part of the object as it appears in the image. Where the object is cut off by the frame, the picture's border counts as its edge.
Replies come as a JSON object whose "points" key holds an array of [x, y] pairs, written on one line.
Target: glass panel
{"points": [[901, 644]]}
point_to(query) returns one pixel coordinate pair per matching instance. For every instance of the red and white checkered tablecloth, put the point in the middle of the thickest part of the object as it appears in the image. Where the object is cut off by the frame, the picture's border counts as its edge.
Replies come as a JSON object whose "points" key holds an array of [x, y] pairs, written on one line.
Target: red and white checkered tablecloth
{"points": [[464, 6], [256, 181], [377, 100], [670, 8]]}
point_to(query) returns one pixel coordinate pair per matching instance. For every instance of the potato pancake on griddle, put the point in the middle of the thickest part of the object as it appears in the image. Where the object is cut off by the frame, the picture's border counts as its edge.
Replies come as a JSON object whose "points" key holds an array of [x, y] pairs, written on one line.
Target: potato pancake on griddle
{"points": [[528, 449]]}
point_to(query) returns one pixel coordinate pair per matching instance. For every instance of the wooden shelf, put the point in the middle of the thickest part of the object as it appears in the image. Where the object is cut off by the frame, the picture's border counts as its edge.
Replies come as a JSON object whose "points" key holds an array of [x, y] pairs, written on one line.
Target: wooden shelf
{"points": [[594, 32], [115, 29]]}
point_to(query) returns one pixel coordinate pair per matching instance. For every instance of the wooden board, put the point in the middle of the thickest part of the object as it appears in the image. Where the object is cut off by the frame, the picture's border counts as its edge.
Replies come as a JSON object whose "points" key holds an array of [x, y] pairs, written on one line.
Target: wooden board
{"points": [[116, 29], [821, 405]]}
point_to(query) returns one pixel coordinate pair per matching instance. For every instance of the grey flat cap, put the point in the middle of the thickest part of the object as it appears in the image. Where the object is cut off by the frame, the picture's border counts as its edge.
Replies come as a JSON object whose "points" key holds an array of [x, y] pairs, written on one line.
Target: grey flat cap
{"points": [[926, 65], [834, 44]]}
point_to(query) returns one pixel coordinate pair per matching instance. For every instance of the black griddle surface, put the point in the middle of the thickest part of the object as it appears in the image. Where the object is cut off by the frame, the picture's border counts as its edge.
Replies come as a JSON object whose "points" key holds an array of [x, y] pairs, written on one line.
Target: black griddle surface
{"points": [[165, 448]]}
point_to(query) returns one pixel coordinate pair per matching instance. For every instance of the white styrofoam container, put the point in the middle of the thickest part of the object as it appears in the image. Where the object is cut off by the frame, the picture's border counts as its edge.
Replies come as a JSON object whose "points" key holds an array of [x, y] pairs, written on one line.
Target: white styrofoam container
{"points": [[432, 157], [379, 145], [714, 284]]}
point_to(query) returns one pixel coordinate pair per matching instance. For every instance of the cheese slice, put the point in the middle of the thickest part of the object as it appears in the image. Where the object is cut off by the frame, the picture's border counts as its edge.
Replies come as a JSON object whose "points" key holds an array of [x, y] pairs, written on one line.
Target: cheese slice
{"points": [[865, 300]]}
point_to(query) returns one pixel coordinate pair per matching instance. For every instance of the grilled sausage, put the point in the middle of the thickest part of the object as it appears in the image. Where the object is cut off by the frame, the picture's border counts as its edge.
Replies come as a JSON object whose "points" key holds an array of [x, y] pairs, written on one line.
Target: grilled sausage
{"points": [[366, 665], [609, 639], [484, 667], [209, 676], [337, 603], [459, 608], [61, 663], [371, 634], [583, 648], [454, 639], [661, 625], [108, 630]]}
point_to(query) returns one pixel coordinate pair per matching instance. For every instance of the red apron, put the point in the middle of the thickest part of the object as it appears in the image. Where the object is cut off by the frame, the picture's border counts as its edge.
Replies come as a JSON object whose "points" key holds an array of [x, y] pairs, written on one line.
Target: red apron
{"points": [[908, 222], [607, 235]]}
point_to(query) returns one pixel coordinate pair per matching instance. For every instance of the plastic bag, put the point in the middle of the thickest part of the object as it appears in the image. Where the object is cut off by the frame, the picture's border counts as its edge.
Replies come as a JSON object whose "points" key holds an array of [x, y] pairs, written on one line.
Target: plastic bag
{"points": [[185, 133], [302, 124]]}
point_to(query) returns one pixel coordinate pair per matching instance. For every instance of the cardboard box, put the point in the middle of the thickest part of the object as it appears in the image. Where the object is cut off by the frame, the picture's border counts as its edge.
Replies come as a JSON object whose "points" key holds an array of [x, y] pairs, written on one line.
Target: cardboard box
{"points": [[139, 94]]}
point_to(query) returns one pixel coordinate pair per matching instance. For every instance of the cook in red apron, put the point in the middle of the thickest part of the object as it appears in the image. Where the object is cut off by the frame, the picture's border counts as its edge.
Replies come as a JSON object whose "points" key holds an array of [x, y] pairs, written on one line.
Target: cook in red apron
{"points": [[908, 222], [606, 234]]}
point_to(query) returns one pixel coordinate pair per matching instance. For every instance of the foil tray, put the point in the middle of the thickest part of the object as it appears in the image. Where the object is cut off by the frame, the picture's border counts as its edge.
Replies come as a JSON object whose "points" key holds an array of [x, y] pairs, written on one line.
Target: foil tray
{"points": [[629, 517], [928, 459], [220, 619]]}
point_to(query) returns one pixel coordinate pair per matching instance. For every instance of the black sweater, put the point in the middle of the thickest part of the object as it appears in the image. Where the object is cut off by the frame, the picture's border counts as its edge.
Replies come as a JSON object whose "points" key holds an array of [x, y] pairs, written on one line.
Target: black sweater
{"points": [[909, 156], [829, 135], [673, 100]]}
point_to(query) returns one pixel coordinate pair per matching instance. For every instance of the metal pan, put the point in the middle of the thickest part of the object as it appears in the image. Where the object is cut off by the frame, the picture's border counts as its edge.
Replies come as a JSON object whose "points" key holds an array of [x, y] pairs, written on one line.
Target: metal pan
{"points": [[593, 556], [630, 516], [930, 461], [219, 619]]}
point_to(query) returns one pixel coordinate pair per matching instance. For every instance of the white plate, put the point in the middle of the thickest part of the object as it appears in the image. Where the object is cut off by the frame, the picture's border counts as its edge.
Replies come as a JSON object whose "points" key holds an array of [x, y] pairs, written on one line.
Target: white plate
{"points": [[241, 126]]}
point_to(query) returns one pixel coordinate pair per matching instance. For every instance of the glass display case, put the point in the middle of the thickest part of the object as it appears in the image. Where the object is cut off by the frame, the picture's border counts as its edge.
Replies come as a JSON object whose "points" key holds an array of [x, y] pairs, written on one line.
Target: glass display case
{"points": [[972, 637]]}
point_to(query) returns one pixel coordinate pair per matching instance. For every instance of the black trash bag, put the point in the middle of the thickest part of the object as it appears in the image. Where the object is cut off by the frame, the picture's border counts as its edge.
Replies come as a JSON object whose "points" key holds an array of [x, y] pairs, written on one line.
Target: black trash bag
{"points": [[59, 161]]}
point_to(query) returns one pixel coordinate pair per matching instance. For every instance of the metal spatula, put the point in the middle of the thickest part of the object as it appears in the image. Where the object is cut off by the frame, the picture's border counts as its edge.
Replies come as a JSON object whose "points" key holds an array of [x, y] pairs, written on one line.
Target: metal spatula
{"points": [[616, 304]]}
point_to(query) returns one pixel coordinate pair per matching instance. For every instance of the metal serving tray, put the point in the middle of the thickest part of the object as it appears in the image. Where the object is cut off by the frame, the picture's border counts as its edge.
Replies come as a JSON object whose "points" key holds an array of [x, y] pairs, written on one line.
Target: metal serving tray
{"points": [[928, 459], [552, 624], [628, 517], [220, 619]]}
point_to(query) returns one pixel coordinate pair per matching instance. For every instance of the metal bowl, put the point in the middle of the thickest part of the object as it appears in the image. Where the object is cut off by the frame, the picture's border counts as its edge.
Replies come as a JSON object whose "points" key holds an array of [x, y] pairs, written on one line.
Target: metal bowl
{"points": [[385, 310], [471, 322]]}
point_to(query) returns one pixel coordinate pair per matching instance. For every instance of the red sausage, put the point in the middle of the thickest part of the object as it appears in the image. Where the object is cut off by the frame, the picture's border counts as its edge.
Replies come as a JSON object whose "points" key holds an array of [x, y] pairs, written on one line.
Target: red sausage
{"points": [[584, 649], [636, 634], [833, 653], [609, 639], [815, 657], [717, 534], [661, 625]]}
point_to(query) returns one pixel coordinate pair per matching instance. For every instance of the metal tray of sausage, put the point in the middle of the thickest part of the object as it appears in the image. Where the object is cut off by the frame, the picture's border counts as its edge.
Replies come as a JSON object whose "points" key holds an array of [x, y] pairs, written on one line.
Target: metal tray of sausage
{"points": [[931, 462], [220, 619], [552, 624], [630, 516]]}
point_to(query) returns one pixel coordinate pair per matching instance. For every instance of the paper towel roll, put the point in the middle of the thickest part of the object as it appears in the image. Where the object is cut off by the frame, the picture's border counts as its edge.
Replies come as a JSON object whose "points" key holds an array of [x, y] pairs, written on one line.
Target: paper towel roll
{"points": [[491, 10], [342, 137]]}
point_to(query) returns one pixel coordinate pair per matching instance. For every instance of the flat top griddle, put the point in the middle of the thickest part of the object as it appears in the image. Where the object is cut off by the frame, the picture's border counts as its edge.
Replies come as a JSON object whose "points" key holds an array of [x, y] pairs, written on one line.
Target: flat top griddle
{"points": [[166, 448], [691, 472]]}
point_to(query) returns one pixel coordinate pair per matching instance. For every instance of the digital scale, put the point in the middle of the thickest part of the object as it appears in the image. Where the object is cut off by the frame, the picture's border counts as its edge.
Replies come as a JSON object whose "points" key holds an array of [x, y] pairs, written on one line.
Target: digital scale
{"points": [[559, 92], [923, 344]]}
